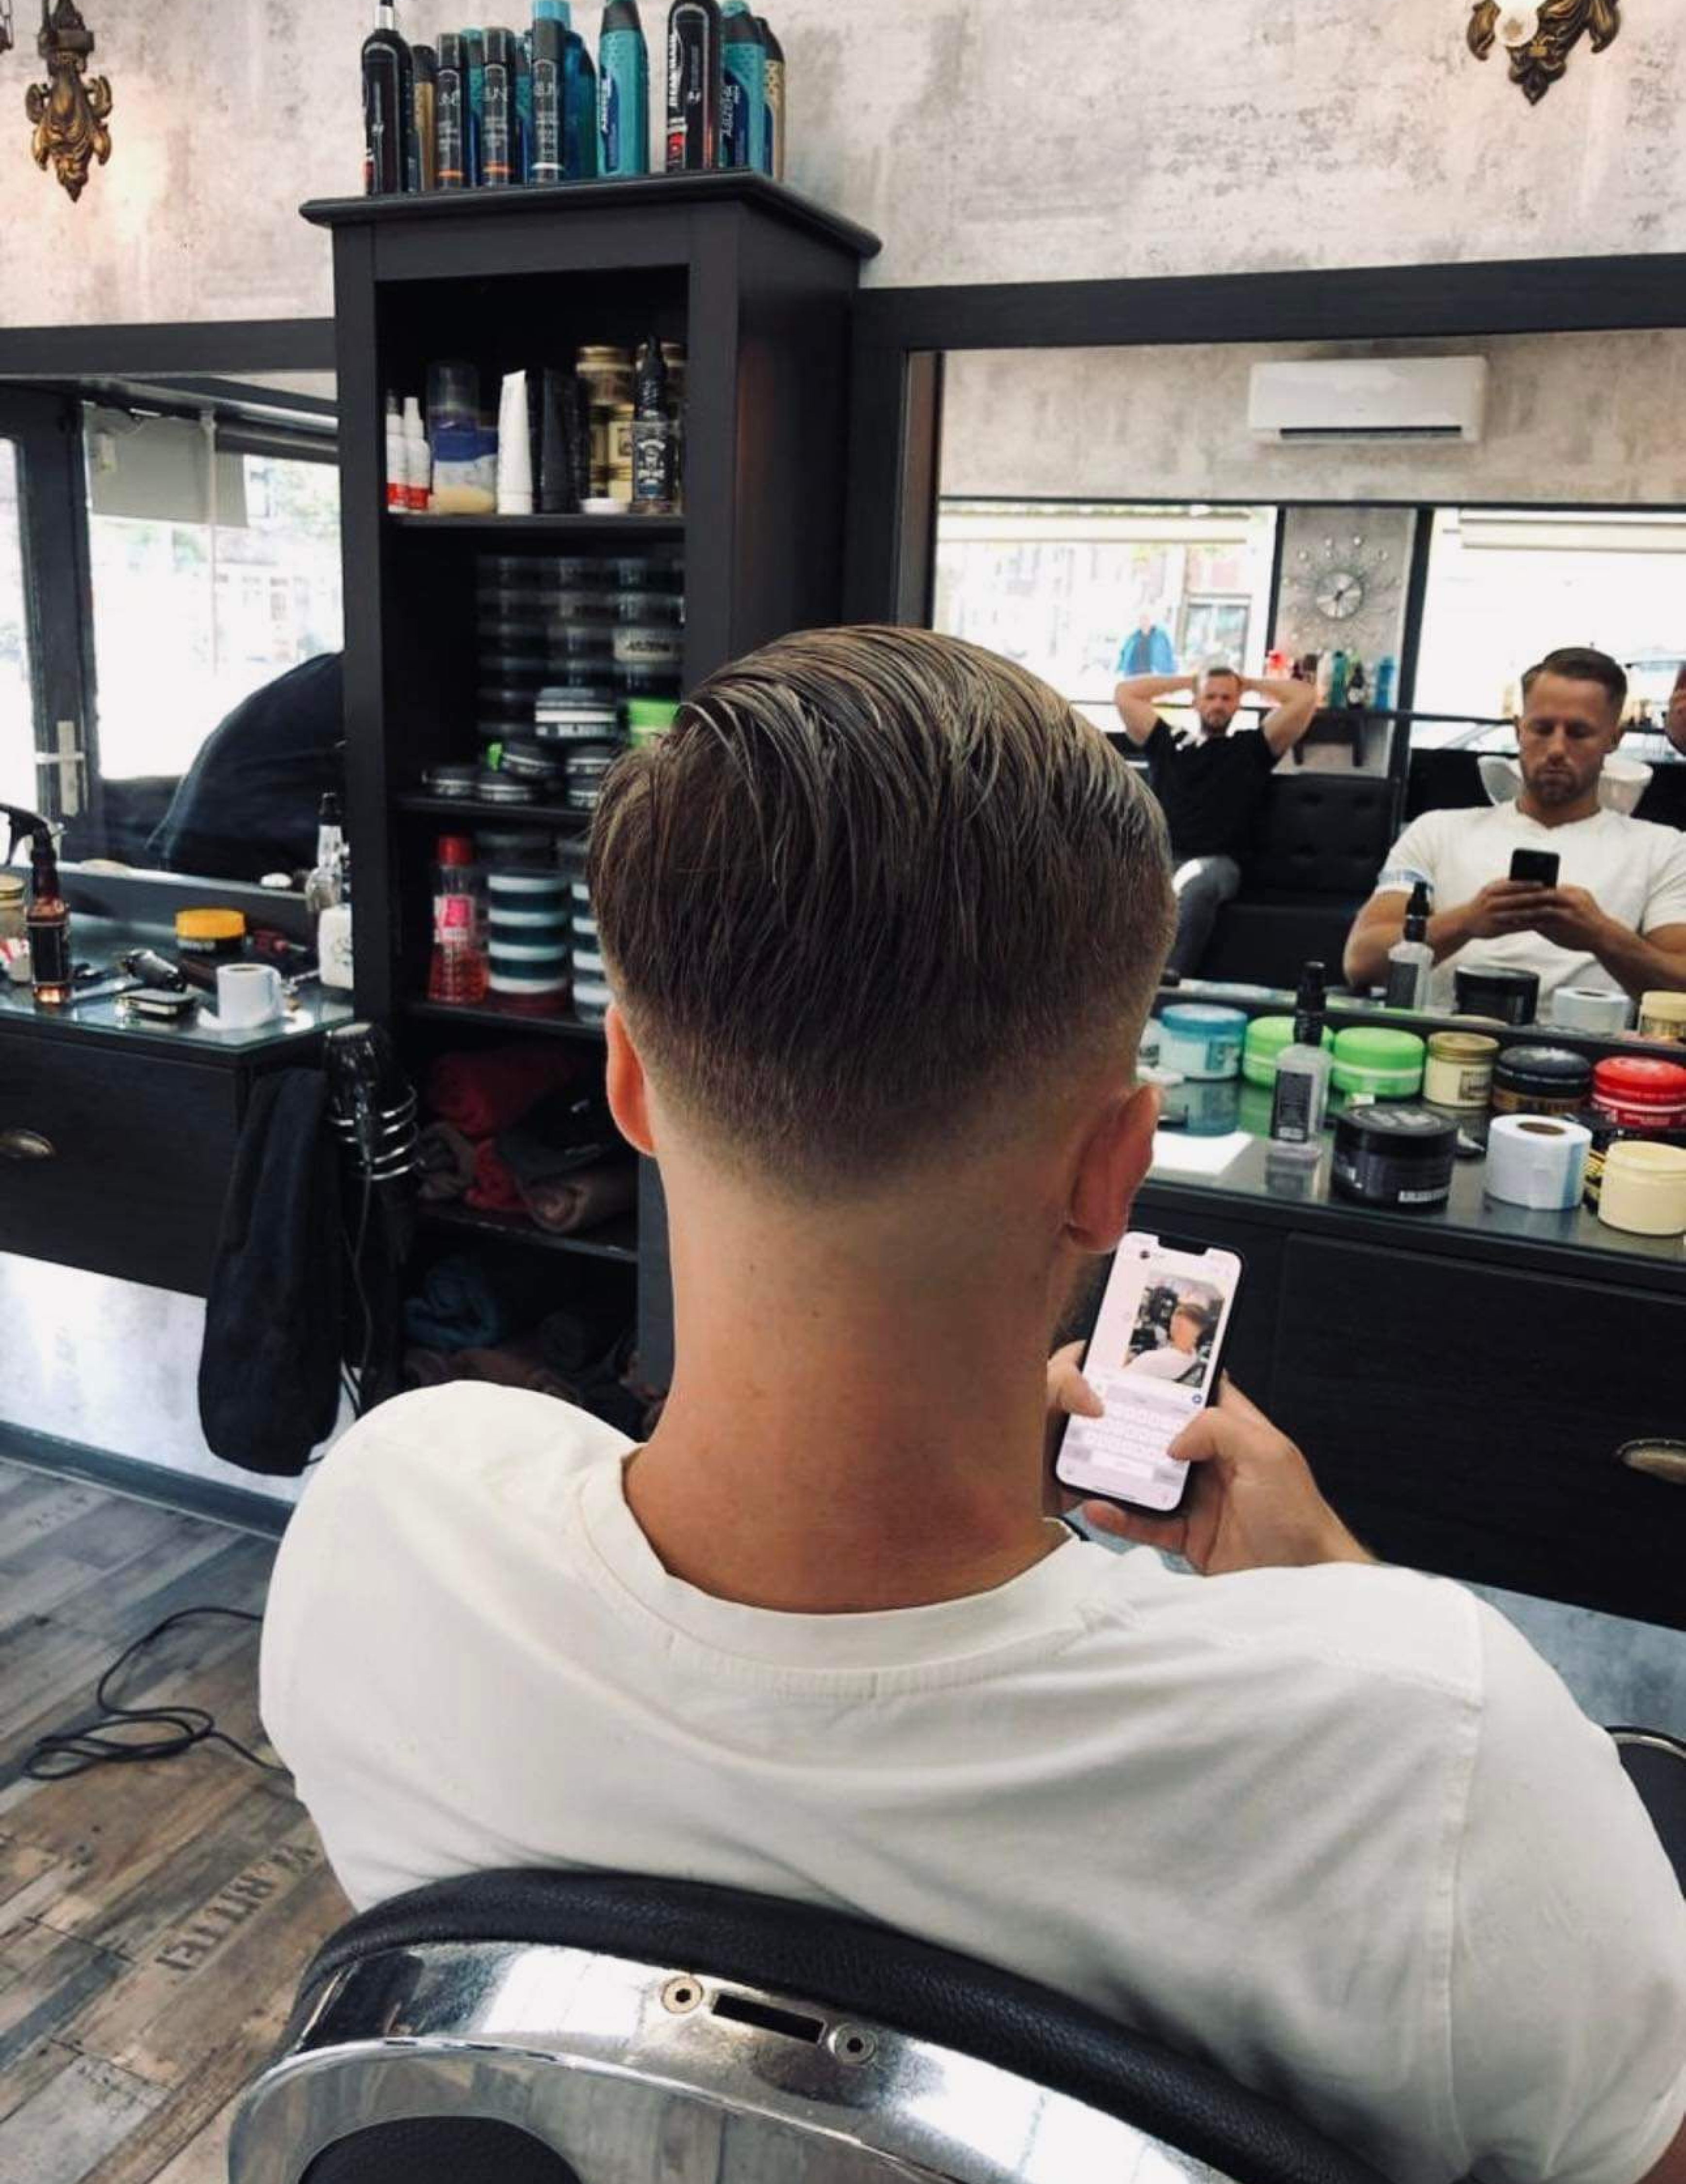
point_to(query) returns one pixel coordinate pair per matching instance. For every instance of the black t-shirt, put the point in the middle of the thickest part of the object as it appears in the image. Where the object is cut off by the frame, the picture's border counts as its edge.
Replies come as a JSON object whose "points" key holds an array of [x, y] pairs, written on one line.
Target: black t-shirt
{"points": [[1210, 789]]}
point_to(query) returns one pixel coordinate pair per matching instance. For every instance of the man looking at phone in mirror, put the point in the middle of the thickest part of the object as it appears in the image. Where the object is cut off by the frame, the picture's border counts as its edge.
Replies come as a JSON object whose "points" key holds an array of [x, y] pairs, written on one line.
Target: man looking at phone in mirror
{"points": [[1615, 917], [883, 918], [1210, 786]]}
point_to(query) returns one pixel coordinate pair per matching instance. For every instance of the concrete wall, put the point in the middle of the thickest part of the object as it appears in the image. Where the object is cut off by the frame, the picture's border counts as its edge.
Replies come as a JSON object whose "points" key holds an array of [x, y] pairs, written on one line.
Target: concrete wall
{"points": [[982, 141]]}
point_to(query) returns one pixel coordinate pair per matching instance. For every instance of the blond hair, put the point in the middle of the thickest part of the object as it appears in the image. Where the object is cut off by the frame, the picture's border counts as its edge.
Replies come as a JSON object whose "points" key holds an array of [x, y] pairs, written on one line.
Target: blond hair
{"points": [[871, 883]]}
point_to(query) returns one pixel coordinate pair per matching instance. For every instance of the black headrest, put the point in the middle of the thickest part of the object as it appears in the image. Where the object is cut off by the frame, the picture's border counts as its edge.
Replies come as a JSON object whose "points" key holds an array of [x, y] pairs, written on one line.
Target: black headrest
{"points": [[1321, 833], [852, 1966]]}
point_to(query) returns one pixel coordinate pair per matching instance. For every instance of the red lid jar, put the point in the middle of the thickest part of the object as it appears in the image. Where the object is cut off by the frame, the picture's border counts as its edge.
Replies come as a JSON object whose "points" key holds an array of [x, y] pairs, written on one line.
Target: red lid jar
{"points": [[1639, 1094]]}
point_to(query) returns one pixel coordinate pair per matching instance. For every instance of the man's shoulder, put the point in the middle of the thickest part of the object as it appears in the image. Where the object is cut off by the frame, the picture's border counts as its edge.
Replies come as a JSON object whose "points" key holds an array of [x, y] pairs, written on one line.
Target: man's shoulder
{"points": [[1650, 839]]}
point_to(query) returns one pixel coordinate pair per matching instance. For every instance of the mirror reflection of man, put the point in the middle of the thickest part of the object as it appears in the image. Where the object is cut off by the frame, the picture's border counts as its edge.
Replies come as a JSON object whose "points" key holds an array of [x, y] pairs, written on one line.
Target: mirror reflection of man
{"points": [[1210, 785], [1674, 726], [1180, 1357], [1616, 918]]}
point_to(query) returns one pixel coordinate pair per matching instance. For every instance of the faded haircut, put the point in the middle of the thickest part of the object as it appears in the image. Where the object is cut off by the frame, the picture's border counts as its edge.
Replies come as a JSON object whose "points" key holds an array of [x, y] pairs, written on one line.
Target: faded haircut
{"points": [[1576, 663], [873, 886]]}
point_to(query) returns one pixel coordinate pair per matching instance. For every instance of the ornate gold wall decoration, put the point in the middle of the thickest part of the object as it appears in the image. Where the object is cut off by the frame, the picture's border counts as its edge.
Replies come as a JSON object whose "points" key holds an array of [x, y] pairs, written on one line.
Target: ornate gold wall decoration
{"points": [[1541, 38], [70, 115]]}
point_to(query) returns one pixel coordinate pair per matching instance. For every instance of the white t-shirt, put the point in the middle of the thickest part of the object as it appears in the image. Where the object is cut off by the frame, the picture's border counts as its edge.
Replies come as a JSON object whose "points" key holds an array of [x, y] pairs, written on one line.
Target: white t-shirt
{"points": [[1339, 1830], [1168, 1363], [1634, 870]]}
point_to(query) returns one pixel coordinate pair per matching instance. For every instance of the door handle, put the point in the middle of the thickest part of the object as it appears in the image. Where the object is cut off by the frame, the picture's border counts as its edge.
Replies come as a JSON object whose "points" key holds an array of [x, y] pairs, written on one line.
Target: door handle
{"points": [[26, 1145], [1657, 1458]]}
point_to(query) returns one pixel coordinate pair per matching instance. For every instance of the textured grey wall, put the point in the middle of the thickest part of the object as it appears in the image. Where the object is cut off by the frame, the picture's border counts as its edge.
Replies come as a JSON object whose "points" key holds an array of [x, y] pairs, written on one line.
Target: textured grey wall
{"points": [[1570, 417], [982, 140]]}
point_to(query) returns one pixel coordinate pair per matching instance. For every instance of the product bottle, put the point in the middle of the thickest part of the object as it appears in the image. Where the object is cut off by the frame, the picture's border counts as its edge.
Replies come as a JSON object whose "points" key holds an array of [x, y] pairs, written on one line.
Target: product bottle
{"points": [[447, 113], [459, 968], [549, 43], [652, 451], [397, 459], [418, 460], [1410, 960], [1357, 688], [522, 106], [1302, 1091], [498, 112], [623, 93], [48, 923], [773, 163], [1387, 682], [324, 886], [579, 121], [693, 85], [474, 106], [424, 66], [389, 106], [333, 936], [743, 86], [1337, 671]]}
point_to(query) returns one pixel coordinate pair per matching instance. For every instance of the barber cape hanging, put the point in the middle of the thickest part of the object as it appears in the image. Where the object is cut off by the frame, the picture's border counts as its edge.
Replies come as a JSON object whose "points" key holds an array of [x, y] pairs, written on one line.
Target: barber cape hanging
{"points": [[1540, 39], [70, 110]]}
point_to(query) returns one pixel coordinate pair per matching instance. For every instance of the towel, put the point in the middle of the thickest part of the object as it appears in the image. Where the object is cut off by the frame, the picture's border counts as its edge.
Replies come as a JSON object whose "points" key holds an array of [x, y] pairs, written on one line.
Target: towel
{"points": [[445, 1158], [494, 1189], [481, 1094], [465, 1303], [566, 1203], [566, 1130]]}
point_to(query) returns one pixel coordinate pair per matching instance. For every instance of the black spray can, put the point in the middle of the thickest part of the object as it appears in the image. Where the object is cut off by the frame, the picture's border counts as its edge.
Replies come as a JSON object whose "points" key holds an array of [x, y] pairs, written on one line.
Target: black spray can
{"points": [[549, 38], [388, 107], [498, 111], [694, 85], [447, 112]]}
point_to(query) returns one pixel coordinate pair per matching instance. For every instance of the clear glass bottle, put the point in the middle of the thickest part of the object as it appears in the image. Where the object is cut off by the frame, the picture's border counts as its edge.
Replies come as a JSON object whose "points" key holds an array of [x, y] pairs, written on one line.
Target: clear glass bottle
{"points": [[460, 964], [1410, 960], [1302, 1089]]}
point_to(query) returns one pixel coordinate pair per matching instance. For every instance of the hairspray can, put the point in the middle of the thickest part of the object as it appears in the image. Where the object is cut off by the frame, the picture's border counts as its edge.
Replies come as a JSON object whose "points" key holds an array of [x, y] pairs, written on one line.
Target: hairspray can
{"points": [[623, 93], [521, 108], [447, 112], [497, 113], [579, 115], [474, 106], [773, 163], [388, 107], [549, 43], [425, 63], [743, 90], [693, 85]]}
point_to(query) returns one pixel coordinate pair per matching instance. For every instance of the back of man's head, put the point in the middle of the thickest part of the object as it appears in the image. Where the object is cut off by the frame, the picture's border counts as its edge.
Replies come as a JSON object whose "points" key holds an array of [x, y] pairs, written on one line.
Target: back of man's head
{"points": [[874, 888]]}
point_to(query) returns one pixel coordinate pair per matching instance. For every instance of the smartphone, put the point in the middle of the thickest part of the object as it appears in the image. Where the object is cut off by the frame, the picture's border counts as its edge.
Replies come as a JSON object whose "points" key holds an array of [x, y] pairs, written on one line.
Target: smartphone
{"points": [[1538, 866], [1153, 1360]]}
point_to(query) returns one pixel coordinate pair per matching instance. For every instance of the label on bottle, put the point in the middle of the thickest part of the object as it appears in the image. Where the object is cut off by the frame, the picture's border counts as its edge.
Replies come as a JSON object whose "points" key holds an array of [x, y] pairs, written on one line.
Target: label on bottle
{"points": [[449, 125], [385, 128], [1405, 983], [494, 127], [608, 121], [652, 461], [453, 916], [1291, 1110], [50, 951], [690, 123], [547, 122]]}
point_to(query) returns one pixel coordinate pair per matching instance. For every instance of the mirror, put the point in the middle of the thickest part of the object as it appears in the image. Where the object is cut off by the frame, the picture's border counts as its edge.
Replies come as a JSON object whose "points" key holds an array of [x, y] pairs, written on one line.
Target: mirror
{"points": [[1436, 514], [170, 608]]}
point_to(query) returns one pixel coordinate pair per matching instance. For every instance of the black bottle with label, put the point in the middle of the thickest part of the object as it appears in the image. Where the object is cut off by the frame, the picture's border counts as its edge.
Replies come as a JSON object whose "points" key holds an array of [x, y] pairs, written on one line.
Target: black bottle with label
{"points": [[694, 85], [653, 452], [388, 107]]}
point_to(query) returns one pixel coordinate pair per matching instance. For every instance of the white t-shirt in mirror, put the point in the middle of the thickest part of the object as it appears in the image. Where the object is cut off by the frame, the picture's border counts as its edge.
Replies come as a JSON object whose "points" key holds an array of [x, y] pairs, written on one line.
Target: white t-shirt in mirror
{"points": [[1634, 870], [1338, 1831]]}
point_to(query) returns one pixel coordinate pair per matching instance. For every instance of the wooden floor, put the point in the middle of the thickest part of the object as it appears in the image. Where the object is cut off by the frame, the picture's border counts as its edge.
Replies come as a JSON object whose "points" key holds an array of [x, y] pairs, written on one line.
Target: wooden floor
{"points": [[153, 1920]]}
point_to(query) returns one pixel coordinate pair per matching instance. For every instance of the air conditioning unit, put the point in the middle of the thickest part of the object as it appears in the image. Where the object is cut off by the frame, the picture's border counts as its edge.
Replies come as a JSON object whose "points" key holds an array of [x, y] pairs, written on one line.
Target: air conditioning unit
{"points": [[1408, 398]]}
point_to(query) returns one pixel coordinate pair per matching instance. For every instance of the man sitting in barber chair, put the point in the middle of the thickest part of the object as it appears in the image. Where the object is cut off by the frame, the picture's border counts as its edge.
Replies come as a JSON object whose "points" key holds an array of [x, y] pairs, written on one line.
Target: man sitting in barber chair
{"points": [[884, 918], [1606, 910]]}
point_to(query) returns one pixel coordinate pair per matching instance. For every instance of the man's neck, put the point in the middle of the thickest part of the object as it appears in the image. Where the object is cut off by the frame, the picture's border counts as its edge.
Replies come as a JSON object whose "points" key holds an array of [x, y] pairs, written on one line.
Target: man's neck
{"points": [[1560, 814], [851, 1427]]}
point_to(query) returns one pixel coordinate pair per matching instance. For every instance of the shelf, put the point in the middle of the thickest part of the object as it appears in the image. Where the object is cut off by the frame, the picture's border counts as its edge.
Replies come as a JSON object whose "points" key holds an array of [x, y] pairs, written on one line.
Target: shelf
{"points": [[474, 809], [616, 1240], [485, 1013], [597, 530]]}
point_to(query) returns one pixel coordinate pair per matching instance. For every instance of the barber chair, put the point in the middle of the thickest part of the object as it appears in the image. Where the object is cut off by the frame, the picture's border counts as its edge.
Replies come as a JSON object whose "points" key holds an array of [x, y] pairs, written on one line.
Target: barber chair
{"points": [[1320, 844], [1655, 1765], [549, 2027]]}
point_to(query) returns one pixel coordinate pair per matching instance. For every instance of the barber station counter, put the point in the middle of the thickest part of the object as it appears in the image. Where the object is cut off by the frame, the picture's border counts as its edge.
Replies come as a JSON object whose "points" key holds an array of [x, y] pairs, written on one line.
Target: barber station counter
{"points": [[116, 1137], [1464, 1380]]}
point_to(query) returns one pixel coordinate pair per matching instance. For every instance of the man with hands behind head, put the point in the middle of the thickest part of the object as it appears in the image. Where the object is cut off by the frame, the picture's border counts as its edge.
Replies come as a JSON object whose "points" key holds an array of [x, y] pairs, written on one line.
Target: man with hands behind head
{"points": [[1617, 917], [1209, 787]]}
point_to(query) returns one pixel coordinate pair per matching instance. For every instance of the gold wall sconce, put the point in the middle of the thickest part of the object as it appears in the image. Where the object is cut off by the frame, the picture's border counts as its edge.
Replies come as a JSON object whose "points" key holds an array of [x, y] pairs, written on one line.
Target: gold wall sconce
{"points": [[69, 110], [1540, 38]]}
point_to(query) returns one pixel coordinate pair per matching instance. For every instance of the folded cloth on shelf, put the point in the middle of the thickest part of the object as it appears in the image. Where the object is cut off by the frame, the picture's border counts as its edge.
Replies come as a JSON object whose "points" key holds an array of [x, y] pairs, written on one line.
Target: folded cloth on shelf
{"points": [[483, 1094], [465, 1303], [494, 1189], [563, 1204], [444, 1158], [519, 1364], [577, 1335], [566, 1130]]}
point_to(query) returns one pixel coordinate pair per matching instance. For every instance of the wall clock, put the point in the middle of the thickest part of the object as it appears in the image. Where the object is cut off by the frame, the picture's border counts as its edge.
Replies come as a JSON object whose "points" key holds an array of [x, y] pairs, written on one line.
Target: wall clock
{"points": [[1340, 594], [1334, 581]]}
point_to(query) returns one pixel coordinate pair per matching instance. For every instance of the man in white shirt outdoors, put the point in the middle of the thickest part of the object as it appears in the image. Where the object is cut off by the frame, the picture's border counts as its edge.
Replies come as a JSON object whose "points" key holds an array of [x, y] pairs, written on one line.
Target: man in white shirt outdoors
{"points": [[1616, 918], [883, 919]]}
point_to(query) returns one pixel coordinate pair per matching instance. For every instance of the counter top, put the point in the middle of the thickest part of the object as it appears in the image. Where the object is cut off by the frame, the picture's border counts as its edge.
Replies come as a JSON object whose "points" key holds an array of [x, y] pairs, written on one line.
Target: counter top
{"points": [[101, 1023], [1188, 1169]]}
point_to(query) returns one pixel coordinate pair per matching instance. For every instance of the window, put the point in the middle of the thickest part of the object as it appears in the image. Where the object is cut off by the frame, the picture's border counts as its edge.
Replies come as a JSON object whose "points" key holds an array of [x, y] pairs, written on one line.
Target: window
{"points": [[18, 783], [210, 578]]}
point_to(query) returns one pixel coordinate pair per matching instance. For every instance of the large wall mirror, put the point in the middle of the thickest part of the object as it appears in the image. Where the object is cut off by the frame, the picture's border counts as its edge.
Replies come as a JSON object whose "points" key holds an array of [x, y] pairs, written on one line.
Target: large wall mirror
{"points": [[1409, 516], [170, 608]]}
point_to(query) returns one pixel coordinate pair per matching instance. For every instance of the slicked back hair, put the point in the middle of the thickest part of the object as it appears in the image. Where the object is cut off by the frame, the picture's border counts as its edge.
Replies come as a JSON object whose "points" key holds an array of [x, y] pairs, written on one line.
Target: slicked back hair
{"points": [[873, 886], [1576, 663]]}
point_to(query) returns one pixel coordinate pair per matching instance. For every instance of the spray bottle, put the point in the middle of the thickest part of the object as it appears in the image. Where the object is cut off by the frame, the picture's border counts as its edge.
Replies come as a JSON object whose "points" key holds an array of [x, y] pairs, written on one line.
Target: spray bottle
{"points": [[1410, 960], [743, 90], [694, 85], [1302, 1087], [773, 162], [623, 93], [48, 919]]}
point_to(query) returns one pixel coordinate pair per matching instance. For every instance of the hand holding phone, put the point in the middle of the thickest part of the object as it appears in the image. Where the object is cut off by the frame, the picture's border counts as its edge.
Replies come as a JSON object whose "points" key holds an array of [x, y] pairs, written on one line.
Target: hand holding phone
{"points": [[1536, 867], [1153, 1360]]}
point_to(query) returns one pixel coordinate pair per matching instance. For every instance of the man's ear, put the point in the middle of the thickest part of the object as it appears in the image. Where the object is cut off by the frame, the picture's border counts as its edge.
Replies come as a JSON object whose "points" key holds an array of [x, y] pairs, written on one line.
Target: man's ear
{"points": [[1117, 1156], [628, 1088]]}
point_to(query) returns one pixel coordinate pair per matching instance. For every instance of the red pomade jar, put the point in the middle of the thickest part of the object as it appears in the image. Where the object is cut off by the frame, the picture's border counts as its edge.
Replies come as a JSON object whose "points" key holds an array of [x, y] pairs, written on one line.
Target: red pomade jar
{"points": [[1638, 1093]]}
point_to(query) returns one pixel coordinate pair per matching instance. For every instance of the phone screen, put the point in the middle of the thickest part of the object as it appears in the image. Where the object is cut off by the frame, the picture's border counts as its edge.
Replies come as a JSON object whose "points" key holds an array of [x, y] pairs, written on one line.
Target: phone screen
{"points": [[1539, 865], [1153, 1360]]}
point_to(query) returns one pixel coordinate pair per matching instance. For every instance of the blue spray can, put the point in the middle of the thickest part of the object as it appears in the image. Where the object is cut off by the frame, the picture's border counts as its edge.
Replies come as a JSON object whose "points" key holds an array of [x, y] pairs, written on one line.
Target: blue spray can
{"points": [[773, 160], [523, 106], [623, 93], [474, 106], [579, 120], [744, 101]]}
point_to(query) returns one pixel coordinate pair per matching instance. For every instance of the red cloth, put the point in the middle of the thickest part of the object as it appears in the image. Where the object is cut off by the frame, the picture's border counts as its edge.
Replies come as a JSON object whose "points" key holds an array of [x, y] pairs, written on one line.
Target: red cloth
{"points": [[481, 1094], [494, 1189]]}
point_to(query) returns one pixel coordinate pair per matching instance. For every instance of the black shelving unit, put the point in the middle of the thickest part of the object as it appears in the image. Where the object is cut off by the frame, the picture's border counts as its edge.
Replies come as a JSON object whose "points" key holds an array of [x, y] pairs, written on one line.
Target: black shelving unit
{"points": [[759, 283]]}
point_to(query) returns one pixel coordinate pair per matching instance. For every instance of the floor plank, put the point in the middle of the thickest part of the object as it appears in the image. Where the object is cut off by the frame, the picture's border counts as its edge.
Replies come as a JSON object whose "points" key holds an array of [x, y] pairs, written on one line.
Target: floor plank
{"points": [[154, 1919]]}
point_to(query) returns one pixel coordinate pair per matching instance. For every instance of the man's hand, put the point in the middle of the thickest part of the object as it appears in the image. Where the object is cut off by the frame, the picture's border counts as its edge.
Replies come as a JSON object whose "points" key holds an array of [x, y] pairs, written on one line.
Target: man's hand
{"points": [[1570, 917], [1251, 1501], [1502, 906]]}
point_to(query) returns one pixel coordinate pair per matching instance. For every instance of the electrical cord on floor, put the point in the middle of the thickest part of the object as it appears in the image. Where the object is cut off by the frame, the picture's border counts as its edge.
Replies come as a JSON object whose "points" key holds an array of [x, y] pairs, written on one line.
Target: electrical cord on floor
{"points": [[123, 1735]]}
